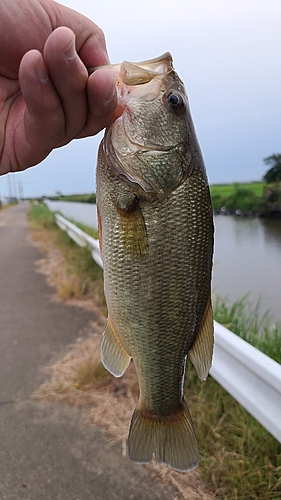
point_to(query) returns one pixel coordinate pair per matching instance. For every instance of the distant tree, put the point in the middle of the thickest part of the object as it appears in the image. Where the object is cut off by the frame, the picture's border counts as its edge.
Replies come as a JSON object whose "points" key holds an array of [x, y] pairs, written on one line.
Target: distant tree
{"points": [[270, 205], [274, 173]]}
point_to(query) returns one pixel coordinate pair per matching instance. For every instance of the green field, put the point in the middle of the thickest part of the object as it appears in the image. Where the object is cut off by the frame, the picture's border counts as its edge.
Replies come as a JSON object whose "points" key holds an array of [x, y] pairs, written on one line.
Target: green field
{"points": [[246, 197], [225, 190], [83, 198]]}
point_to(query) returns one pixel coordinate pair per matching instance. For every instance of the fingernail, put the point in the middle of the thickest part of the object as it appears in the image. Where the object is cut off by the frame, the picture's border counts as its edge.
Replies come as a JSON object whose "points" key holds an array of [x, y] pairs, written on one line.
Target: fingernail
{"points": [[40, 70], [112, 92], [70, 53]]}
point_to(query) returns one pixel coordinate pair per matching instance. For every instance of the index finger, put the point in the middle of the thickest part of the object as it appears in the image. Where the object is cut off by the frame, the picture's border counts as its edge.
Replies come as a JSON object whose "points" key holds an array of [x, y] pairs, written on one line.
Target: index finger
{"points": [[90, 40]]}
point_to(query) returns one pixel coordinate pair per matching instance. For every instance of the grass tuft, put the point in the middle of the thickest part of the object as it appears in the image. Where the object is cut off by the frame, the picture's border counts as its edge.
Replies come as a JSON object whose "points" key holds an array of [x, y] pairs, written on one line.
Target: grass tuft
{"points": [[90, 373], [243, 318]]}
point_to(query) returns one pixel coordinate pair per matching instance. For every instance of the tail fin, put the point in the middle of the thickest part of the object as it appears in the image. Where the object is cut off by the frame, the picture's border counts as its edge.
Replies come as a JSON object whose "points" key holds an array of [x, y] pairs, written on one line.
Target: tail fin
{"points": [[171, 439]]}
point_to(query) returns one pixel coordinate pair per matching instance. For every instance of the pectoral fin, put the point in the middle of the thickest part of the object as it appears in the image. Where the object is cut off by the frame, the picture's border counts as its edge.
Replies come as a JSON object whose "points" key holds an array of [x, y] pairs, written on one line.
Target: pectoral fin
{"points": [[113, 355], [132, 228], [201, 353]]}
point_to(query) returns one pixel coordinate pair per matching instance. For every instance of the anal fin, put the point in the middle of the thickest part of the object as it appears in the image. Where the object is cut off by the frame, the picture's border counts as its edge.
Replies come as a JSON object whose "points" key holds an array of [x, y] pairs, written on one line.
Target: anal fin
{"points": [[201, 353], [113, 355]]}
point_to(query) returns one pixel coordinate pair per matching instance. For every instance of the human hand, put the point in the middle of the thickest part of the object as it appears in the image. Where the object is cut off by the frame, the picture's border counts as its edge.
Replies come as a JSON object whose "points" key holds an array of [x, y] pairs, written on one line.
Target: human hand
{"points": [[46, 95]]}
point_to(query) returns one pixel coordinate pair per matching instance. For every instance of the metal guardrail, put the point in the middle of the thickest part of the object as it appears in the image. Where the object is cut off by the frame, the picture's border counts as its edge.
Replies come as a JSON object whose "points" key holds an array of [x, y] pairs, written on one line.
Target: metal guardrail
{"points": [[81, 238], [250, 376]]}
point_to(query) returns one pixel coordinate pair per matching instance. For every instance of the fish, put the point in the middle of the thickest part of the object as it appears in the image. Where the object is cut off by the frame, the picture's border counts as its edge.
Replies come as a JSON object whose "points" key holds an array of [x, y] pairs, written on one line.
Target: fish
{"points": [[156, 235]]}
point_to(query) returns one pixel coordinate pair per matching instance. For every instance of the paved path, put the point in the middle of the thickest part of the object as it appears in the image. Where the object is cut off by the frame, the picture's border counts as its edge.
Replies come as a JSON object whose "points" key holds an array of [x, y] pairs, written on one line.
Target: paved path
{"points": [[46, 450]]}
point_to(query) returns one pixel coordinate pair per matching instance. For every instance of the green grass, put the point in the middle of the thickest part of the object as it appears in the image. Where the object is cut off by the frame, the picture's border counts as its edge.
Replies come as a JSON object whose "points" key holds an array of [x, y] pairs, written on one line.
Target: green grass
{"points": [[246, 197], [226, 190], [84, 198], [243, 318]]}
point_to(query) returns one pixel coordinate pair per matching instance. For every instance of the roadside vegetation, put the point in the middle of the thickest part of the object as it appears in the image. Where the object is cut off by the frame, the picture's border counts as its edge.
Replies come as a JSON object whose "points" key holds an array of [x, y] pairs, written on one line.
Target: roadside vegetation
{"points": [[76, 274], [239, 458], [243, 318], [83, 198], [243, 197], [4, 207], [256, 198]]}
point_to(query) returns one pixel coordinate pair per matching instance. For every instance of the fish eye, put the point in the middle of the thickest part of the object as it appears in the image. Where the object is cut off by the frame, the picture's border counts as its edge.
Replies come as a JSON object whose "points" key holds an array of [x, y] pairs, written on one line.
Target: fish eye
{"points": [[174, 101]]}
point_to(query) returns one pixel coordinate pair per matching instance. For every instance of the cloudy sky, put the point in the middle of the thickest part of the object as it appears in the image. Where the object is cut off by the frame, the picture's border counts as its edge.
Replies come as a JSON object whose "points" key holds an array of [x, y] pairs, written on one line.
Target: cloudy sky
{"points": [[228, 55]]}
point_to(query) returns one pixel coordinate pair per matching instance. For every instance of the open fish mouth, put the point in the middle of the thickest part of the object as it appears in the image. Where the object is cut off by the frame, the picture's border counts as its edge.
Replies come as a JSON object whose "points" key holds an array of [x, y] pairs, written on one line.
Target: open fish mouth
{"points": [[140, 72]]}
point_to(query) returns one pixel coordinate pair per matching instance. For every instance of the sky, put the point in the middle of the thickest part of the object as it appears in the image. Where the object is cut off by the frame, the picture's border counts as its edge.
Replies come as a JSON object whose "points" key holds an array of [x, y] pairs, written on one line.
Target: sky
{"points": [[227, 52]]}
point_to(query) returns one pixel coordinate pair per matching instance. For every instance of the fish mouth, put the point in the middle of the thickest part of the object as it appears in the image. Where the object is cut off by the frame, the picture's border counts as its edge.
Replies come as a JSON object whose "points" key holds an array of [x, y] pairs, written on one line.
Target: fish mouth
{"points": [[132, 79], [140, 72], [144, 80]]}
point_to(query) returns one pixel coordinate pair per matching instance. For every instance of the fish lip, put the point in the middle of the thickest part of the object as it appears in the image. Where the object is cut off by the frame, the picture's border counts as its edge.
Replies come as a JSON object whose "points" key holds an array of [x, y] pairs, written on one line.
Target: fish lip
{"points": [[165, 61]]}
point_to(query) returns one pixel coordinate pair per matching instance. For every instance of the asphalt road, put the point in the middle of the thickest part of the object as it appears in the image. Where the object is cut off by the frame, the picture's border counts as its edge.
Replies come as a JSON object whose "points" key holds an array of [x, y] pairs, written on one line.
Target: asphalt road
{"points": [[47, 451]]}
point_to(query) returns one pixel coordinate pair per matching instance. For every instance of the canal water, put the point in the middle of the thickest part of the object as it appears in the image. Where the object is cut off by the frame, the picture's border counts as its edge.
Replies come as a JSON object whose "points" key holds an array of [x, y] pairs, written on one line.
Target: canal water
{"points": [[85, 213], [247, 255], [248, 260]]}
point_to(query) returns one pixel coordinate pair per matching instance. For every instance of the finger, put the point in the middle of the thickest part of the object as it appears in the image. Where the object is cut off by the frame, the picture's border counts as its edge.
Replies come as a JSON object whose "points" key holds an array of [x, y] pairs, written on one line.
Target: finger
{"points": [[69, 77], [102, 101], [90, 40], [43, 126]]}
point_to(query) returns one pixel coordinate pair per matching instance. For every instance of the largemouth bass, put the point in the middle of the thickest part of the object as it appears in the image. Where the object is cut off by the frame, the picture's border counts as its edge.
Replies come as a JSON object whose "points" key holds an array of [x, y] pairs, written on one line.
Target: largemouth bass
{"points": [[156, 240]]}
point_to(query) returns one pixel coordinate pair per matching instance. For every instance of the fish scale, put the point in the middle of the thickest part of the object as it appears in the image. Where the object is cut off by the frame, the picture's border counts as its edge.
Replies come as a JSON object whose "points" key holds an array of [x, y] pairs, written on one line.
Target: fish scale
{"points": [[156, 236]]}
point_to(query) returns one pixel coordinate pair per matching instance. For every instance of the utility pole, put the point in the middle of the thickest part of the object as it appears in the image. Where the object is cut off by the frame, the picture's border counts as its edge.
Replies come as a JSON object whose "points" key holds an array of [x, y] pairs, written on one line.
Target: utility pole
{"points": [[10, 188], [14, 183]]}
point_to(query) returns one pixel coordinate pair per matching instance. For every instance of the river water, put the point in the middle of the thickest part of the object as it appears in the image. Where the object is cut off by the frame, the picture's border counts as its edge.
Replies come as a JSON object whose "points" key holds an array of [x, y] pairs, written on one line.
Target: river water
{"points": [[85, 213], [248, 260], [247, 255]]}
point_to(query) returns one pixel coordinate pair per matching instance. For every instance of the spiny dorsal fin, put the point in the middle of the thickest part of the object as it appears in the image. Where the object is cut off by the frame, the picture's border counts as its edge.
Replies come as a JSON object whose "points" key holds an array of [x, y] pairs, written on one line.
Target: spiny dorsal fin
{"points": [[201, 353], [113, 355]]}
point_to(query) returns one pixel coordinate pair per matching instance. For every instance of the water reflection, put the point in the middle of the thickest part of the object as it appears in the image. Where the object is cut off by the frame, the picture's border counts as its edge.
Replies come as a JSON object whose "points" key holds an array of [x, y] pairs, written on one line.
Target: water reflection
{"points": [[248, 259], [272, 231]]}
